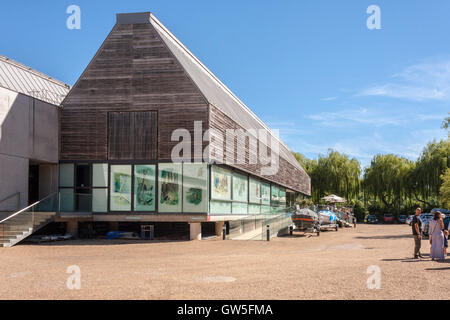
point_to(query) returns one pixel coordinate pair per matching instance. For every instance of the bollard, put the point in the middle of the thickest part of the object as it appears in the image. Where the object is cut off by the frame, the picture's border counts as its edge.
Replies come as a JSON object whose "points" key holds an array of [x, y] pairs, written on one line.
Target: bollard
{"points": [[268, 232], [291, 230], [224, 232]]}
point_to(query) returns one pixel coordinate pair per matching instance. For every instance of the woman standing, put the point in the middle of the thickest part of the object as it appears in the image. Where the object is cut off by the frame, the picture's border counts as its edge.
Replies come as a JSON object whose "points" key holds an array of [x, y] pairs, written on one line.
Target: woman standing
{"points": [[437, 237]]}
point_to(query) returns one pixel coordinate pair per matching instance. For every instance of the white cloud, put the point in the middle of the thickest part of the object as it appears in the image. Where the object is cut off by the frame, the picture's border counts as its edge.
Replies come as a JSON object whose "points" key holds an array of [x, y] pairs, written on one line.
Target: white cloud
{"points": [[329, 99], [424, 81]]}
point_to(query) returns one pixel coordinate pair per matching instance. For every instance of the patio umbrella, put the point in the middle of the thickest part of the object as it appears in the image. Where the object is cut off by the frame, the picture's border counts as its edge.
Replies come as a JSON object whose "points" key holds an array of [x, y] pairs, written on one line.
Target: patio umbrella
{"points": [[334, 199]]}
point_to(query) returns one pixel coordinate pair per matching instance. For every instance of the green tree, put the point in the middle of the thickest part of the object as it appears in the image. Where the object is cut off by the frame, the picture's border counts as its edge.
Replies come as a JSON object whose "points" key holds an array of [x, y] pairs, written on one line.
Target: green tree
{"points": [[332, 173], [387, 180], [445, 189], [426, 178]]}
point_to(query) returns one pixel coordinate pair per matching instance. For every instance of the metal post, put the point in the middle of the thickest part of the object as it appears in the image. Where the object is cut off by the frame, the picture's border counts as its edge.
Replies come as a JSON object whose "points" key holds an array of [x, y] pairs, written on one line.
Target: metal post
{"points": [[224, 232], [268, 232]]}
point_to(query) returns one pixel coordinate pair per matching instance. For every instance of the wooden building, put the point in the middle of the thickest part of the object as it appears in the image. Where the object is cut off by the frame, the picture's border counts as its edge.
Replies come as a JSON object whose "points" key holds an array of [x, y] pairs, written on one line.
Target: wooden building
{"points": [[116, 143]]}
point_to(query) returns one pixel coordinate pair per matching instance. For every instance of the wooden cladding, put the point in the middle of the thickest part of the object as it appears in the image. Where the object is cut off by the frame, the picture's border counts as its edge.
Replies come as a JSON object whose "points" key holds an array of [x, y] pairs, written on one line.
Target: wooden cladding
{"points": [[132, 135]]}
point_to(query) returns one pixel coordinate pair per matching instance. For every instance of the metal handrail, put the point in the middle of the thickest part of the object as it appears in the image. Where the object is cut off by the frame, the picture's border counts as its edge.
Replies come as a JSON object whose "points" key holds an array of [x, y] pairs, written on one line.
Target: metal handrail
{"points": [[29, 207], [11, 196]]}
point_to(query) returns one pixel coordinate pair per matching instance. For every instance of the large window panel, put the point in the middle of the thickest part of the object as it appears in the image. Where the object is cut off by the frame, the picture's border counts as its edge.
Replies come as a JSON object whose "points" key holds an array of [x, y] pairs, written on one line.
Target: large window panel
{"points": [[254, 191], [220, 183], [144, 187], [100, 175], [169, 187], [120, 188], [265, 194], [240, 208], [66, 175], [254, 209], [220, 207], [195, 187], [240, 188], [100, 200], [66, 200], [275, 195]]}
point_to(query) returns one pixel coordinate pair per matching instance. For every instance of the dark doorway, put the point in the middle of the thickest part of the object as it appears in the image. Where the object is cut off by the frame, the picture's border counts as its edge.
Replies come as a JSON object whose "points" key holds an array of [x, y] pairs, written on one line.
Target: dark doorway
{"points": [[83, 187], [33, 184]]}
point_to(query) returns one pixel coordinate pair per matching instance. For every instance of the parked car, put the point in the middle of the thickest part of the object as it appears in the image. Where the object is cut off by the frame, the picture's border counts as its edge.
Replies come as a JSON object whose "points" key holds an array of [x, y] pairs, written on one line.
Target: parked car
{"points": [[425, 218], [371, 219], [388, 218], [402, 218], [409, 220]]}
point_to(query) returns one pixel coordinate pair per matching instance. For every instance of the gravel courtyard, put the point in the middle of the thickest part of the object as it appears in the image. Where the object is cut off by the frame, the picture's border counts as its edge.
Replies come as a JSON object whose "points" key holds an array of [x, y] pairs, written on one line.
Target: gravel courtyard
{"points": [[332, 266]]}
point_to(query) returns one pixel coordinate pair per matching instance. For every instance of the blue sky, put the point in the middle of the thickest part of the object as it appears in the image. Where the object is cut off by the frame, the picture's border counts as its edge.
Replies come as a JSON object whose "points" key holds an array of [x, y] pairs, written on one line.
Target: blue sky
{"points": [[311, 69]]}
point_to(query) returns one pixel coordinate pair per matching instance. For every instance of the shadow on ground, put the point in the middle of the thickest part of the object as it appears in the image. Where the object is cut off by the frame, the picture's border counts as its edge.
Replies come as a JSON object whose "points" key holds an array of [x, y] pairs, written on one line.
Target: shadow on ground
{"points": [[395, 236]]}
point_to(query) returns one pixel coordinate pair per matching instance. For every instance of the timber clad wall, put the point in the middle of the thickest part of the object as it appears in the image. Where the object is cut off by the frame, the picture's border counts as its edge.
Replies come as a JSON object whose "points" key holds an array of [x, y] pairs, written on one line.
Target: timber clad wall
{"points": [[141, 86], [132, 71], [288, 175]]}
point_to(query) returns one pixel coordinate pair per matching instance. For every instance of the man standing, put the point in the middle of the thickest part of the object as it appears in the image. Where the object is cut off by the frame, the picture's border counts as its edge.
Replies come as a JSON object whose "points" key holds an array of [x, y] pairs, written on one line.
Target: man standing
{"points": [[416, 230]]}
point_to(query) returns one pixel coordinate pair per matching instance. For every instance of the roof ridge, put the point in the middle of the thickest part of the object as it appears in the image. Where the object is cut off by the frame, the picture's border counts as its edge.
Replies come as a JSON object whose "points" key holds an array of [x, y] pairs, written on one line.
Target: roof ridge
{"points": [[221, 84]]}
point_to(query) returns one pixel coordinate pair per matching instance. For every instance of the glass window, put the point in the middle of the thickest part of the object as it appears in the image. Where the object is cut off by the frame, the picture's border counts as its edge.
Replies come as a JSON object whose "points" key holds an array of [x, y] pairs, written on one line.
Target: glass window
{"points": [[66, 175], [195, 187], [169, 187], [100, 200], [220, 207], [100, 175], [275, 195], [254, 191], [240, 188], [144, 187], [265, 209], [240, 208], [265, 194], [66, 200], [120, 188], [220, 184], [254, 208], [282, 197]]}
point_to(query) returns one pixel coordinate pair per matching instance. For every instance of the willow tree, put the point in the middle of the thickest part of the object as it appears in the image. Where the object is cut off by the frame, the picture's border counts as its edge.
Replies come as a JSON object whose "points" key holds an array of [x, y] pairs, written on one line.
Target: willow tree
{"points": [[387, 179], [426, 178], [333, 173], [445, 189]]}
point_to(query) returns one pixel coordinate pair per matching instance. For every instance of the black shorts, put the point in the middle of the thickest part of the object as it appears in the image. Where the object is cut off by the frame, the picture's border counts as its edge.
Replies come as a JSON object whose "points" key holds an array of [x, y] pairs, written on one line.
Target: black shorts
{"points": [[445, 242]]}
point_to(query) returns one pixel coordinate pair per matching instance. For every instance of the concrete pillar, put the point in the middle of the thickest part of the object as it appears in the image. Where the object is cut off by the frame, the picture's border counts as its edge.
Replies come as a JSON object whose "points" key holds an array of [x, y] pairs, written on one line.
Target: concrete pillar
{"points": [[72, 228], [195, 231], [219, 226]]}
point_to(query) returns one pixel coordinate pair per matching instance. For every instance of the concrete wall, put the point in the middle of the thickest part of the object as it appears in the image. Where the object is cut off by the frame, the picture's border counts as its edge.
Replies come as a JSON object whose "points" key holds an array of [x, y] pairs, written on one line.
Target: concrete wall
{"points": [[28, 131]]}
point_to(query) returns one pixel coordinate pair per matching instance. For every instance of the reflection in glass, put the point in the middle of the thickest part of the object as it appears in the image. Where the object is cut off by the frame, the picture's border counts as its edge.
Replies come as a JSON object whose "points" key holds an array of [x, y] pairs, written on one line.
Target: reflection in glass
{"points": [[66, 174], [144, 187], [240, 188], [195, 184], [169, 187], [100, 175], [220, 183], [120, 188]]}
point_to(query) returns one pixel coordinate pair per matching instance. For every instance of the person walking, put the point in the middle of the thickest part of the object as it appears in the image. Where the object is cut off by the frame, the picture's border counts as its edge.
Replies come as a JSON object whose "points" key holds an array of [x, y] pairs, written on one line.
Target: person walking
{"points": [[437, 237], [417, 235]]}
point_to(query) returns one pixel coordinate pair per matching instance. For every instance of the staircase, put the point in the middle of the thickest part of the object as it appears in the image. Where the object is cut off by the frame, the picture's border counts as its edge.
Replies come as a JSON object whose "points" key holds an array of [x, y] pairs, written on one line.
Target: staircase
{"points": [[25, 222]]}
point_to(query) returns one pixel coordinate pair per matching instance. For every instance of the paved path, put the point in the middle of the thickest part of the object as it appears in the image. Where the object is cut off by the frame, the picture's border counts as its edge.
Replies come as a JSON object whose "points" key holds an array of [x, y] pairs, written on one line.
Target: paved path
{"points": [[332, 266]]}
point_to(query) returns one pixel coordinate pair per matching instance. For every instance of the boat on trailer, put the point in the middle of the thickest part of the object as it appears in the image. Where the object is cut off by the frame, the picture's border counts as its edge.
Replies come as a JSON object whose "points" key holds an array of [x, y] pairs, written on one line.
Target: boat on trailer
{"points": [[305, 220]]}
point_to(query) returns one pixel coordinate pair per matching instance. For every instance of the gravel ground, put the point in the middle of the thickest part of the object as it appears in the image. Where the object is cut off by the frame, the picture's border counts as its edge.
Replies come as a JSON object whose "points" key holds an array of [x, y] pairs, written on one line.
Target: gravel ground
{"points": [[332, 266]]}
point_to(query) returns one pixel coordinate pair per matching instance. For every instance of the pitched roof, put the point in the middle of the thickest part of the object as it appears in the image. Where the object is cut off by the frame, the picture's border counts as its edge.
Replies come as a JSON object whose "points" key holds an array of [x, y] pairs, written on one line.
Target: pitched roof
{"points": [[22, 79], [211, 87]]}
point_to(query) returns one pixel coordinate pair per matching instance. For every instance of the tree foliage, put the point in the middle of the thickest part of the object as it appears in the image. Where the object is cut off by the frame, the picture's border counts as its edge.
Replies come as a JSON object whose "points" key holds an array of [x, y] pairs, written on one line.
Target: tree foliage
{"points": [[445, 188]]}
